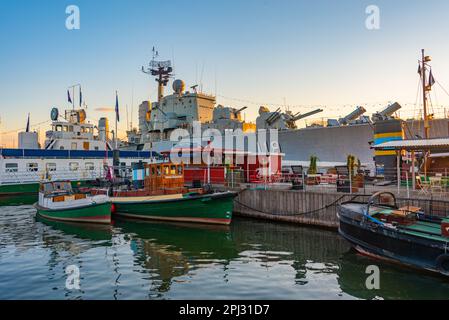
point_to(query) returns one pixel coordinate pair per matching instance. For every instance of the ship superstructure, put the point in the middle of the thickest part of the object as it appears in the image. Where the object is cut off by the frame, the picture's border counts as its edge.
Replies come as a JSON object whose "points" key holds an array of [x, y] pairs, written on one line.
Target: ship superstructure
{"points": [[331, 140]]}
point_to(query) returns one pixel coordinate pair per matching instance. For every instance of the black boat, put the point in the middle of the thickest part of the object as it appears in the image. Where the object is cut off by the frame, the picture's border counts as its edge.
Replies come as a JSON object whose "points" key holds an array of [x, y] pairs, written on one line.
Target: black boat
{"points": [[407, 235]]}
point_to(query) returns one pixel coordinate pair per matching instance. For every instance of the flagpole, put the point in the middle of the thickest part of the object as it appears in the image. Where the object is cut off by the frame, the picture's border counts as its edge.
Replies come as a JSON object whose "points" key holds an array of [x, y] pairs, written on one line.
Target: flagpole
{"points": [[116, 125]]}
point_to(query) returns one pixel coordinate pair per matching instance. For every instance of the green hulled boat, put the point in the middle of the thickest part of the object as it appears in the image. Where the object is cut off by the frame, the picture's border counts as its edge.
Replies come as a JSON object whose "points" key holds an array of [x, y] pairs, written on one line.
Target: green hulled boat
{"points": [[57, 201], [213, 208], [27, 193]]}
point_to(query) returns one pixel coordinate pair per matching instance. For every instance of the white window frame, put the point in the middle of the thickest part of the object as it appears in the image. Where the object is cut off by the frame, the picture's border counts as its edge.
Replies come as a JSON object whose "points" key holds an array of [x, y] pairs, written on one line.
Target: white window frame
{"points": [[11, 169], [74, 166], [32, 167]]}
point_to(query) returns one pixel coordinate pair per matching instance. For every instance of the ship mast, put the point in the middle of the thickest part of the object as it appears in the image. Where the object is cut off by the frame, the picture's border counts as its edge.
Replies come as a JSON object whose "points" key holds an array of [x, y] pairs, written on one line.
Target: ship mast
{"points": [[162, 70], [426, 89]]}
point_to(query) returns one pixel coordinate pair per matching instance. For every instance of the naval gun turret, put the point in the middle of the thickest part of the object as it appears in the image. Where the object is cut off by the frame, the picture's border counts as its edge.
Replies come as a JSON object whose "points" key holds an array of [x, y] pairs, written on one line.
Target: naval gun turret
{"points": [[387, 113], [281, 120], [291, 122], [354, 115]]}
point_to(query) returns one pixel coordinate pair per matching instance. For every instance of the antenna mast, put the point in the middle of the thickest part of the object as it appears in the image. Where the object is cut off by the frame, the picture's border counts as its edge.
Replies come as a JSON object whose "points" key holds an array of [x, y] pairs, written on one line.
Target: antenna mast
{"points": [[162, 70], [426, 89]]}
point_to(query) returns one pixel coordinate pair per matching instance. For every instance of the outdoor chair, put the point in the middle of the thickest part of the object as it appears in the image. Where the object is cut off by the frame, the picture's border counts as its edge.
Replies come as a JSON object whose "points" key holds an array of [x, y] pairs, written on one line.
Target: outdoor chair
{"points": [[436, 184], [422, 185]]}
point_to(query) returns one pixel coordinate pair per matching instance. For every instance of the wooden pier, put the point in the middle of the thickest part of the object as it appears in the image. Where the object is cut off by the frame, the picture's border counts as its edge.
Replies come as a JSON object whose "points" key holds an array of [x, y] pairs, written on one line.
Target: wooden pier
{"points": [[311, 208]]}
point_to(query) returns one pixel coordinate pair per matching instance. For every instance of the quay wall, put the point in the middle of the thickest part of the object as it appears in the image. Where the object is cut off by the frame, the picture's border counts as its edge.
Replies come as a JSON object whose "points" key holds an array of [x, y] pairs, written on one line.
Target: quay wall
{"points": [[312, 208]]}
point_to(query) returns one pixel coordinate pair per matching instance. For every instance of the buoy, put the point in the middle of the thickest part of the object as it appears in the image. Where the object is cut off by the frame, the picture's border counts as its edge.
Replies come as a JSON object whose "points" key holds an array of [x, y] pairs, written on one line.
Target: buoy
{"points": [[113, 208]]}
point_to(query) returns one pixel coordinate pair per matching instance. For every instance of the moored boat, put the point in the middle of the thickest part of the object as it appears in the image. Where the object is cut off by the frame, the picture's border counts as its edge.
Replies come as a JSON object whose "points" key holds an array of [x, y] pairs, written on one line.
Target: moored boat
{"points": [[58, 201], [213, 208], [164, 197], [407, 235]]}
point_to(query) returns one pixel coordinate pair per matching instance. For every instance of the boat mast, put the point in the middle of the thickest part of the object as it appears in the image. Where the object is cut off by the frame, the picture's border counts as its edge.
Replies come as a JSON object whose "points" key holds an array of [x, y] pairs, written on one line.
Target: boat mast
{"points": [[425, 90]]}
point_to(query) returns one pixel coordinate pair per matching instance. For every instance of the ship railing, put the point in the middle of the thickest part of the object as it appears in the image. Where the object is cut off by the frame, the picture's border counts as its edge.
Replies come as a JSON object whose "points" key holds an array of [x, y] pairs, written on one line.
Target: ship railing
{"points": [[40, 175]]}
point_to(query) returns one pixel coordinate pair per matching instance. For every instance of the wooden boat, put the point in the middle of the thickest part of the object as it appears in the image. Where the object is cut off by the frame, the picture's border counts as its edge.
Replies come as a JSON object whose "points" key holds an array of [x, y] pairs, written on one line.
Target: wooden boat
{"points": [[58, 201], [164, 197], [380, 229]]}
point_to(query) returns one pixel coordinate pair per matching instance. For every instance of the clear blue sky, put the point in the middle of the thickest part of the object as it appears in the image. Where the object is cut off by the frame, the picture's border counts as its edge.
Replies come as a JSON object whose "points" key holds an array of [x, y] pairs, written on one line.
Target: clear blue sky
{"points": [[306, 52]]}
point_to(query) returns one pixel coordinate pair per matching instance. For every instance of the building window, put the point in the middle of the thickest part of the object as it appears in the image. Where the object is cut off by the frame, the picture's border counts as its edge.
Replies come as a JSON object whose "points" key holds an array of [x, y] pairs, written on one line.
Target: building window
{"points": [[11, 167], [73, 166], [50, 167], [90, 166], [32, 167]]}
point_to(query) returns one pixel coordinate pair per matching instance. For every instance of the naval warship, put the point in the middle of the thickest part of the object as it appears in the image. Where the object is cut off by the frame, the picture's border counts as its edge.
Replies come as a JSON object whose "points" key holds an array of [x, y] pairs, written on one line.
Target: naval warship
{"points": [[332, 141]]}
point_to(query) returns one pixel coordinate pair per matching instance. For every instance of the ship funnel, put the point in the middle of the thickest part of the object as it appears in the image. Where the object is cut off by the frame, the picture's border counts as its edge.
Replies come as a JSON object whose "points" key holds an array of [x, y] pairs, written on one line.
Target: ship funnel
{"points": [[387, 113], [352, 116], [103, 129]]}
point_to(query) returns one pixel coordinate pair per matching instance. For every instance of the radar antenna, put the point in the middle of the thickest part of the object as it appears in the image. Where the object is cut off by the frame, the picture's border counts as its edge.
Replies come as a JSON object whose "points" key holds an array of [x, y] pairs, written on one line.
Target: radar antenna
{"points": [[162, 70]]}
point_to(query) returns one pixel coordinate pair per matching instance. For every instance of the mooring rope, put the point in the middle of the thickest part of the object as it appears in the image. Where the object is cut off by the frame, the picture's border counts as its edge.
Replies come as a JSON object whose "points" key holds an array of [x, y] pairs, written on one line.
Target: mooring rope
{"points": [[297, 214]]}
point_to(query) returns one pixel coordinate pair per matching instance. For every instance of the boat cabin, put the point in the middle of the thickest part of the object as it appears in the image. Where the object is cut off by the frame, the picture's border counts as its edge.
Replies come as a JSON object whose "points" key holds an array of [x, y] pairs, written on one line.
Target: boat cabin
{"points": [[155, 179], [59, 191]]}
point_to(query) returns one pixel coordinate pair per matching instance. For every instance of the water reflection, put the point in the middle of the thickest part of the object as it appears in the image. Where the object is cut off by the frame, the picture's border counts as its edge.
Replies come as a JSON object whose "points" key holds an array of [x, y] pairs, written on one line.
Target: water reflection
{"points": [[171, 250], [140, 260], [395, 282]]}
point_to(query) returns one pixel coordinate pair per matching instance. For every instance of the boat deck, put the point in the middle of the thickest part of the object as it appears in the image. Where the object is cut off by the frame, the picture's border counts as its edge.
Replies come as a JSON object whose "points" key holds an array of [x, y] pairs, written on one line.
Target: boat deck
{"points": [[148, 198], [419, 228]]}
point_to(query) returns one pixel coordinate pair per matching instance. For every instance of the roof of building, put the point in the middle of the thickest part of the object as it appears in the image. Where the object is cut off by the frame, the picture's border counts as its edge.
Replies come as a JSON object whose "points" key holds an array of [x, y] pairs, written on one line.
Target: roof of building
{"points": [[415, 144]]}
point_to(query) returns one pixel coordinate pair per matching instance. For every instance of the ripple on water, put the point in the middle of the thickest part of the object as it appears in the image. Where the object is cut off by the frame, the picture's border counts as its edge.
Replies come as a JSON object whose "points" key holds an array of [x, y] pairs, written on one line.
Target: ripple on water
{"points": [[248, 260]]}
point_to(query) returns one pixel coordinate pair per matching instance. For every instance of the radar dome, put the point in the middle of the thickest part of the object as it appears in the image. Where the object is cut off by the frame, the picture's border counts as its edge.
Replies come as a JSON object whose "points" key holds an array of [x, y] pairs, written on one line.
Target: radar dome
{"points": [[178, 86], [54, 114]]}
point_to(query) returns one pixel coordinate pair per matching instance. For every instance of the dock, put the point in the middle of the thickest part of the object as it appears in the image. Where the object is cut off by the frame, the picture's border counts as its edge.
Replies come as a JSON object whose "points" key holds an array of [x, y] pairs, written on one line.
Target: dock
{"points": [[316, 208]]}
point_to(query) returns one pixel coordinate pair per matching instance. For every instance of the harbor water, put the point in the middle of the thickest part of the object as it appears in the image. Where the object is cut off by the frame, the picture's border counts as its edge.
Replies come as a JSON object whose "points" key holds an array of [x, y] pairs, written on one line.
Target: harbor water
{"points": [[248, 260]]}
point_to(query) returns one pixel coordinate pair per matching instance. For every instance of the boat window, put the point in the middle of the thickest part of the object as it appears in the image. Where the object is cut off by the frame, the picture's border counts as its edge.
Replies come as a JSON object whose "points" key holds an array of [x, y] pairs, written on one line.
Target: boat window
{"points": [[70, 128], [61, 148], [166, 170], [90, 166], [62, 186], [58, 127], [48, 187], [179, 169], [73, 166], [50, 166], [158, 170], [74, 146], [11, 167], [96, 148], [32, 167], [173, 170], [64, 128]]}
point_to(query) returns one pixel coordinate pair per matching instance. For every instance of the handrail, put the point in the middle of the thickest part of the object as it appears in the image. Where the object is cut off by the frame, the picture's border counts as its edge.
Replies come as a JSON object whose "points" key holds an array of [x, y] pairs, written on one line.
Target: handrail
{"points": [[378, 194], [371, 201]]}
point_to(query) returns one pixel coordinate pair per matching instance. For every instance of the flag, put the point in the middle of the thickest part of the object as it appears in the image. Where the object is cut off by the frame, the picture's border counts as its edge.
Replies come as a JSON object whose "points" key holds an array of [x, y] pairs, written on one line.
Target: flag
{"points": [[69, 99], [431, 79], [419, 70], [81, 97], [117, 115], [28, 124]]}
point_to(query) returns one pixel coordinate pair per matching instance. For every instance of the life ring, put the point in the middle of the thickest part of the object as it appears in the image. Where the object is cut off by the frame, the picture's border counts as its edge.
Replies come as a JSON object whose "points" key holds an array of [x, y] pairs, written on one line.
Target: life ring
{"points": [[442, 263]]}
